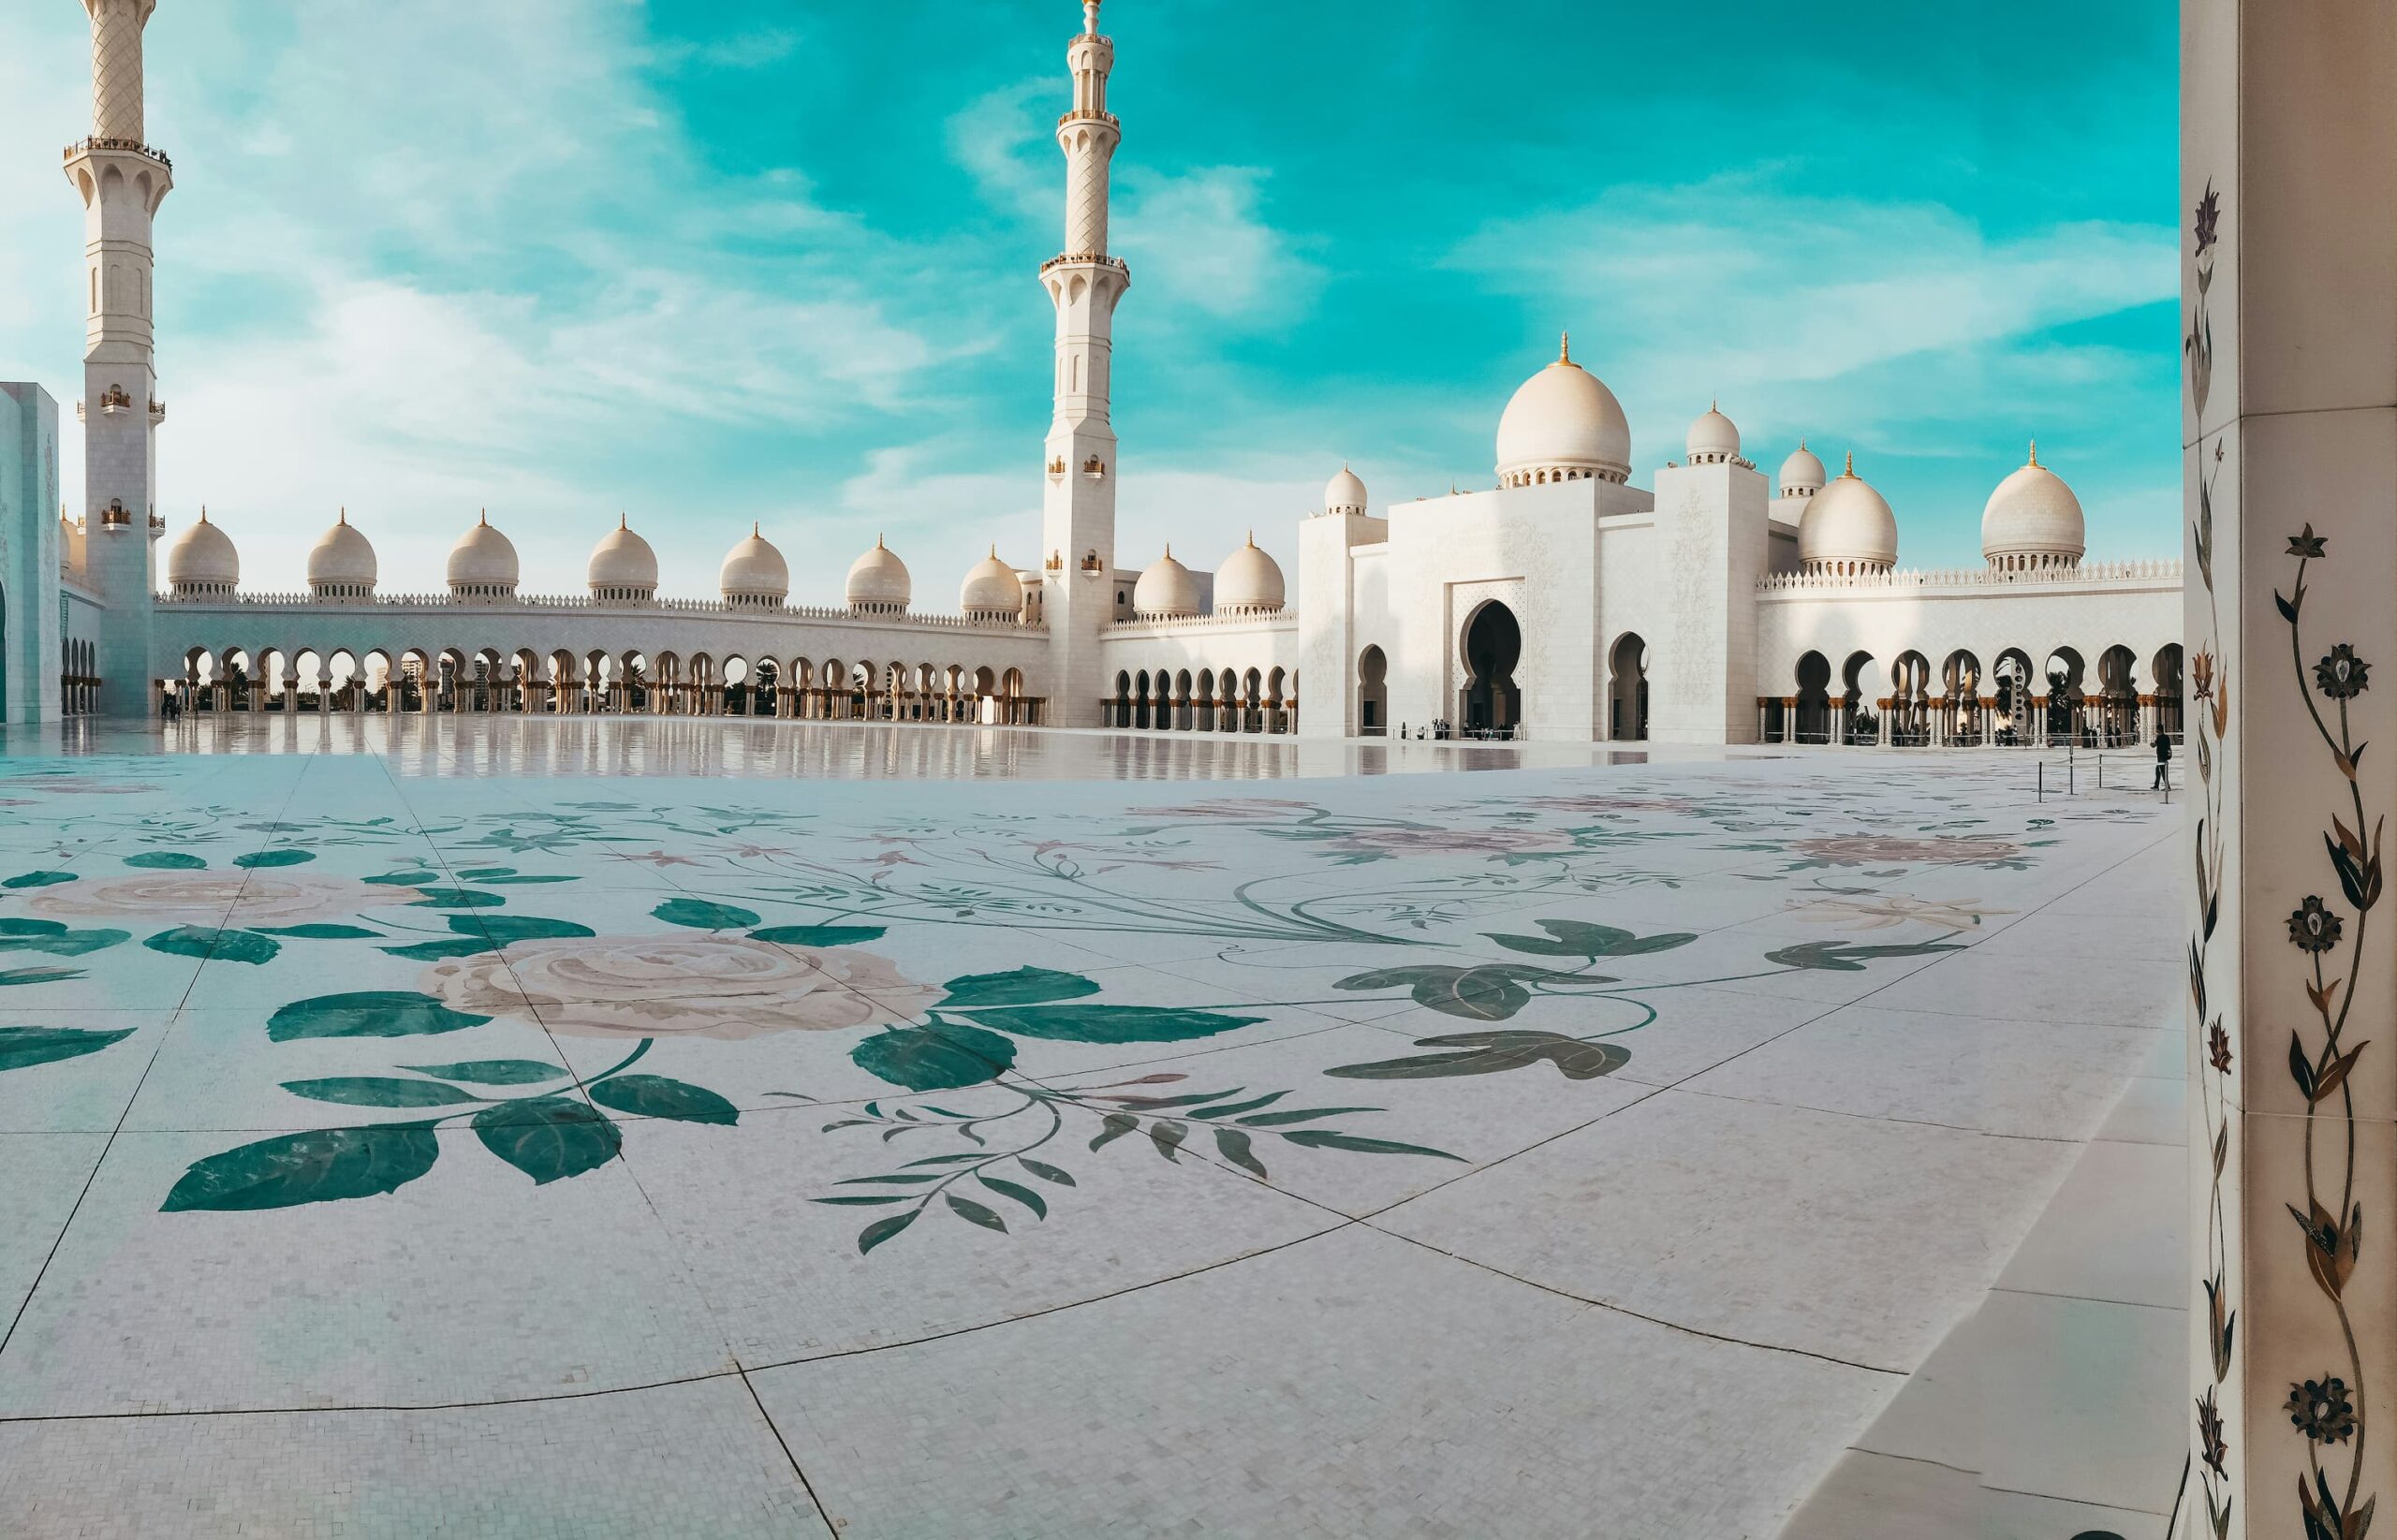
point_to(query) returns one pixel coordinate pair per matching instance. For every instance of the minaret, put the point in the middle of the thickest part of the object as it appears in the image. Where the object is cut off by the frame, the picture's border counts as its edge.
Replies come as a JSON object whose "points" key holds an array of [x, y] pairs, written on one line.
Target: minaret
{"points": [[121, 182], [1078, 517]]}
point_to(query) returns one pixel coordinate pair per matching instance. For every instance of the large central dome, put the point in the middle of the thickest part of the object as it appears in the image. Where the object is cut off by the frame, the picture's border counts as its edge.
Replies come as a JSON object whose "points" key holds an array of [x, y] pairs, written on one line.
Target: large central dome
{"points": [[1563, 425]]}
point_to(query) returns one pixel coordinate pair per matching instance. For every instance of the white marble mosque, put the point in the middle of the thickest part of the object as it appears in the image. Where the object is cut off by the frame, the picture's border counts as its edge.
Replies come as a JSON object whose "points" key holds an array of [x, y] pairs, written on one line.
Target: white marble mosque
{"points": [[1829, 1145], [1565, 603]]}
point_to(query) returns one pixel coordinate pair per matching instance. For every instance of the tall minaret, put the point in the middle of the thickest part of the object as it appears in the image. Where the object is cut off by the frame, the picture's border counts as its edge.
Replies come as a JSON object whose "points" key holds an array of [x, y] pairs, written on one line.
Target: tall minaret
{"points": [[121, 182], [1077, 520]]}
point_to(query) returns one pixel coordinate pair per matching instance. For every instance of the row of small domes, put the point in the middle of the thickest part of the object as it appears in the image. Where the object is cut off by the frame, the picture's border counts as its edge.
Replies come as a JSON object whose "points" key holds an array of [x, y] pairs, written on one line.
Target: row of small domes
{"points": [[483, 564]]}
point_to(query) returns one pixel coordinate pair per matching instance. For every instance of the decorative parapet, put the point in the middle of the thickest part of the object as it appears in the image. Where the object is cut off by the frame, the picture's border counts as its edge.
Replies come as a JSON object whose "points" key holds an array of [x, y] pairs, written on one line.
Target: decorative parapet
{"points": [[1086, 258], [543, 604], [2087, 575], [1249, 620], [135, 146]]}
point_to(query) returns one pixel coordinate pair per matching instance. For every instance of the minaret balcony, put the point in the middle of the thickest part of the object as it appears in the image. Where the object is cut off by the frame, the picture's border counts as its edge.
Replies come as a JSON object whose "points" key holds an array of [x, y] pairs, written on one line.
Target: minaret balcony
{"points": [[1088, 114], [95, 143], [1086, 258]]}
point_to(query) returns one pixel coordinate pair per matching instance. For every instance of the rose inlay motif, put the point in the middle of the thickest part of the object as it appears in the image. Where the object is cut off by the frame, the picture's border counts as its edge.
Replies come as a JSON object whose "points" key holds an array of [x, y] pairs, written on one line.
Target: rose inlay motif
{"points": [[228, 899], [1871, 849], [679, 985]]}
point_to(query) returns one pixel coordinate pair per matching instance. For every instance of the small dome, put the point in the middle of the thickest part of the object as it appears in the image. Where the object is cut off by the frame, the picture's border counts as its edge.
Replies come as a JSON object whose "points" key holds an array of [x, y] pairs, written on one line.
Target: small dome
{"points": [[991, 590], [1713, 438], [1803, 473], [482, 562], [204, 560], [1848, 527], [1563, 425], [622, 566], [878, 581], [343, 561], [753, 572], [1166, 588], [2032, 521], [1345, 493], [1249, 581]]}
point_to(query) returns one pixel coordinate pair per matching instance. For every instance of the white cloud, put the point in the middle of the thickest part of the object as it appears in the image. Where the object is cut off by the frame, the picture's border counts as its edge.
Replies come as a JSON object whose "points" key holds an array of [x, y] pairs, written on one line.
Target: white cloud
{"points": [[428, 258], [1199, 238]]}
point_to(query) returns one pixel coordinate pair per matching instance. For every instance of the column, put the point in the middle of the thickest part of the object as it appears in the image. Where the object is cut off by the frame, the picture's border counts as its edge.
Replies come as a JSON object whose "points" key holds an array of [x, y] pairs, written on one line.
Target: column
{"points": [[2288, 312]]}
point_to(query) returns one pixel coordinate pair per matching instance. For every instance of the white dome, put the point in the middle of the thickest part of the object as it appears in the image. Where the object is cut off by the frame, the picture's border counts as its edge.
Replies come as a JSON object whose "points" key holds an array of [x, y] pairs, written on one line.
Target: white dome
{"points": [[992, 588], [343, 559], [623, 565], [1563, 425], [1713, 438], [1249, 581], [1803, 473], [1848, 525], [2033, 520], [878, 580], [483, 562], [755, 571], [1345, 493], [203, 557], [1166, 588]]}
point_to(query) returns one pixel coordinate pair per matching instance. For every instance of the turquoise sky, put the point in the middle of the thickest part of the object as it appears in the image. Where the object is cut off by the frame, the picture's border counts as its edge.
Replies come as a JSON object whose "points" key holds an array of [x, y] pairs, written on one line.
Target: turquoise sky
{"points": [[773, 260]]}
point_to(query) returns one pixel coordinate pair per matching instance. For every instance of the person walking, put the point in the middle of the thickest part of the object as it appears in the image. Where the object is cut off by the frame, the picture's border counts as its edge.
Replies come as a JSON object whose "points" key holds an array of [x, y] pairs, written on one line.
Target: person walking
{"points": [[2163, 762]]}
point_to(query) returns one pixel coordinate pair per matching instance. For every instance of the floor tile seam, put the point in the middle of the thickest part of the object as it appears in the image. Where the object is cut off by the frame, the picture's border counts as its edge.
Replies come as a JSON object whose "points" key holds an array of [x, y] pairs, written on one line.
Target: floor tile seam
{"points": [[2139, 850], [2076, 1501], [372, 1408], [1687, 1090], [2181, 1309], [91, 1178], [1652, 1093], [1612, 1307], [1910, 1459], [1343, 1224], [796, 1468], [2117, 1023], [241, 890]]}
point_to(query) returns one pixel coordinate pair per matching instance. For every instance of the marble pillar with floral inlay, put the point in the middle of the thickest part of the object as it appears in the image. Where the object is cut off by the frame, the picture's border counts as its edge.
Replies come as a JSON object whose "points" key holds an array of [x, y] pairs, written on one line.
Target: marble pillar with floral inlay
{"points": [[2288, 317]]}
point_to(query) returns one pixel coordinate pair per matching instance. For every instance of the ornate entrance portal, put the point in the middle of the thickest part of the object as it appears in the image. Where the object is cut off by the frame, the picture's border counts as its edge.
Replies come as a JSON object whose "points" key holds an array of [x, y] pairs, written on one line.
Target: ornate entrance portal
{"points": [[1488, 702]]}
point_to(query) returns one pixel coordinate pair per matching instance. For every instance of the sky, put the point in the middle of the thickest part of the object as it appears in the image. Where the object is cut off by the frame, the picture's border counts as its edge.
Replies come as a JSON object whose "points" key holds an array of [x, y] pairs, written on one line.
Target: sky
{"points": [[774, 260]]}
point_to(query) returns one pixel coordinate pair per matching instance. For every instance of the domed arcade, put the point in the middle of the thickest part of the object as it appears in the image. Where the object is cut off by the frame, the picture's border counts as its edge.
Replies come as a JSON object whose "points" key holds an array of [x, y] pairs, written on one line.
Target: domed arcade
{"points": [[624, 569], [2032, 523], [482, 565], [754, 575], [202, 561], [1848, 529], [341, 565], [878, 582]]}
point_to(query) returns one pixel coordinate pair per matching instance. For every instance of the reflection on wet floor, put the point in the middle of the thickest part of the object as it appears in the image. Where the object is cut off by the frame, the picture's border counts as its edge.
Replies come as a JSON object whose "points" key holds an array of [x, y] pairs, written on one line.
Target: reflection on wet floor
{"points": [[671, 747]]}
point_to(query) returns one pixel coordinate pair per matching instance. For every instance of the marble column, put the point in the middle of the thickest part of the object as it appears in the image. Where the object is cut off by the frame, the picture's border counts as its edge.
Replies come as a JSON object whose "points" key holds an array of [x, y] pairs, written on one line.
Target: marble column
{"points": [[2288, 312]]}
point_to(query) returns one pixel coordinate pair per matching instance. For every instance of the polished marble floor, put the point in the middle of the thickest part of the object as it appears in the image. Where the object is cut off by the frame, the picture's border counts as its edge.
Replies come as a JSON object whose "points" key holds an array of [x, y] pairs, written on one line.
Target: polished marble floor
{"points": [[649, 1128]]}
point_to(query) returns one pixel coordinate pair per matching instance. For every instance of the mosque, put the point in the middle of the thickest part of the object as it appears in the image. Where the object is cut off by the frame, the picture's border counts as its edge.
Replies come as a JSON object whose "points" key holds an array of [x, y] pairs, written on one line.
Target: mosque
{"points": [[1561, 602]]}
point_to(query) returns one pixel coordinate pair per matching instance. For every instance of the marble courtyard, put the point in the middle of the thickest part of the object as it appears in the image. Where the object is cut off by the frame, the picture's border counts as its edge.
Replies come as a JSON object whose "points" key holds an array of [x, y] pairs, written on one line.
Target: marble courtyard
{"points": [[593, 1127]]}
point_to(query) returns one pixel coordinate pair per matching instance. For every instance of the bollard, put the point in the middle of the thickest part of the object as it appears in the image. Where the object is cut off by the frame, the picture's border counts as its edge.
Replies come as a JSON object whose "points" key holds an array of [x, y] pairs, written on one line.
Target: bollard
{"points": [[2043, 780]]}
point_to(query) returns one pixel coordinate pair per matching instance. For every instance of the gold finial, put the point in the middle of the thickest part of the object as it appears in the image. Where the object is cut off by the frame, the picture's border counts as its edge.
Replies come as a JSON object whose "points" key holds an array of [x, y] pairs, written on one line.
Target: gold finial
{"points": [[2035, 451], [758, 531], [1168, 550], [344, 514], [482, 516], [1714, 403], [1564, 348], [1252, 539], [1801, 441], [994, 551], [203, 512], [621, 518], [1851, 463]]}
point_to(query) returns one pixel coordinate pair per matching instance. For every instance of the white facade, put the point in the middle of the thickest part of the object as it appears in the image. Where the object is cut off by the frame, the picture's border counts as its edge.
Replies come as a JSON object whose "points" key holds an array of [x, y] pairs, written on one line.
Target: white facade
{"points": [[1565, 603]]}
